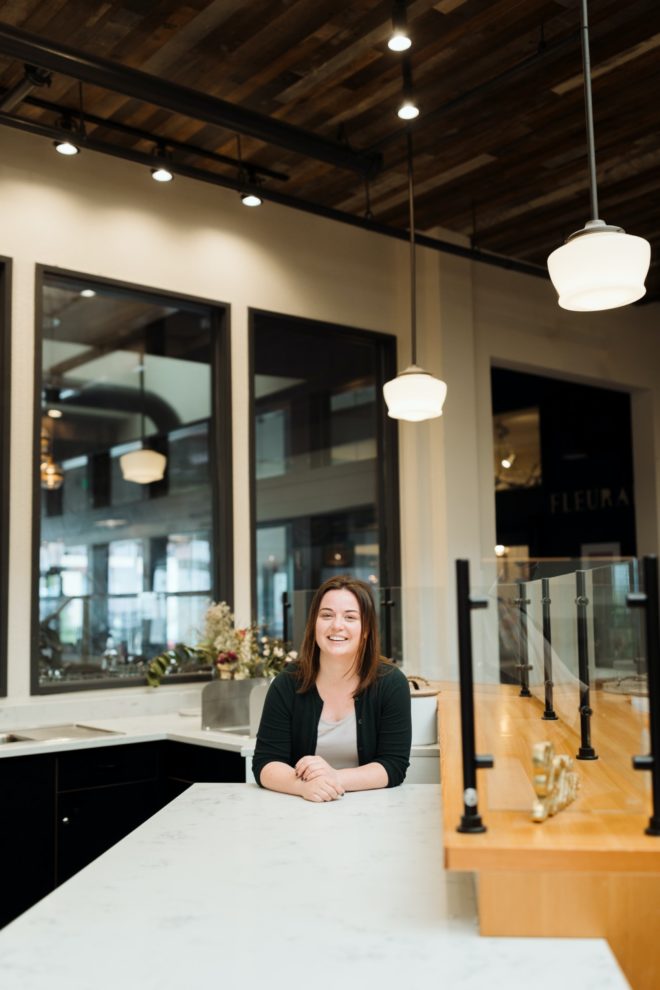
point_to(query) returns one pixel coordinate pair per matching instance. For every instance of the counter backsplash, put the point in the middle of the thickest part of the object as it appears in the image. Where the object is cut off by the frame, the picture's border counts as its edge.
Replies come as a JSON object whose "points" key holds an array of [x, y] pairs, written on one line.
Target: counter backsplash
{"points": [[23, 713]]}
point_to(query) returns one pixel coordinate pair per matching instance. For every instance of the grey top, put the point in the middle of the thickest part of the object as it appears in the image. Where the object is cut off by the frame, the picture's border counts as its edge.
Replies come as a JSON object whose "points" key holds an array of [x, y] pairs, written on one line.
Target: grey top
{"points": [[337, 742]]}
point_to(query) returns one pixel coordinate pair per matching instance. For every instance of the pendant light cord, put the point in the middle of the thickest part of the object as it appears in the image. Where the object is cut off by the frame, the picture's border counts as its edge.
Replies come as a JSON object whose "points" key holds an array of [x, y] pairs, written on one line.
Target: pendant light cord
{"points": [[589, 112], [413, 274]]}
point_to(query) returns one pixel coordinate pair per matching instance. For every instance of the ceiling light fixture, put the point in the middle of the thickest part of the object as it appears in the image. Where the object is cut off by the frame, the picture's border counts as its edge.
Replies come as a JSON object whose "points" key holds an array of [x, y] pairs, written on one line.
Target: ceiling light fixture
{"points": [[143, 466], [66, 146], [88, 293], [160, 172], [508, 461], [414, 394], [408, 108], [600, 266], [399, 40], [251, 199]]}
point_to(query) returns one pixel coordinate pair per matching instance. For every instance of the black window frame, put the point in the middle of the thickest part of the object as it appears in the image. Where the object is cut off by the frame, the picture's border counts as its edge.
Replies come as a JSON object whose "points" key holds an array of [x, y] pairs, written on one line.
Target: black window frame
{"points": [[387, 439], [5, 459], [221, 456]]}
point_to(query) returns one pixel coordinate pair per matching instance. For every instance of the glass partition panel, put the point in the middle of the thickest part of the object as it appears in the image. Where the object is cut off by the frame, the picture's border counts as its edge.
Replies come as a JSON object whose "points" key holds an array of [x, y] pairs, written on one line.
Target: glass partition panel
{"points": [[128, 478], [576, 645]]}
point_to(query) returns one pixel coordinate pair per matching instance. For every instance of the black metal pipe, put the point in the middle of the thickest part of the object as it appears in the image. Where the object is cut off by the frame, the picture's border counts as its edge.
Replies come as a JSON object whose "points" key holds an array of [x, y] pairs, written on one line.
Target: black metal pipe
{"points": [[470, 819], [523, 665], [387, 604], [548, 711], [651, 762], [180, 99], [286, 608], [33, 77], [586, 752]]}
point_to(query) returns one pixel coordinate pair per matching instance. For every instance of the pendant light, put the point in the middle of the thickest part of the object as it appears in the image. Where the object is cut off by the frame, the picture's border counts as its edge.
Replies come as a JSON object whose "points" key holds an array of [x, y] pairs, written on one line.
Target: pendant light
{"points": [[414, 394], [399, 40], [142, 466], [600, 266]]}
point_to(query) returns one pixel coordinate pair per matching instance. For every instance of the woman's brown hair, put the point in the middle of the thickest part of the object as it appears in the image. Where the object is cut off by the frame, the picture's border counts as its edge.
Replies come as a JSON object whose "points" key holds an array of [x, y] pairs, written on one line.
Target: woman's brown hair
{"points": [[368, 654]]}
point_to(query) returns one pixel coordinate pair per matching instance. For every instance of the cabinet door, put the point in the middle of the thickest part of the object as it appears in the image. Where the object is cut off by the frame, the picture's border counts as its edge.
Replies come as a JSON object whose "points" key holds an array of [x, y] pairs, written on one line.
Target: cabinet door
{"points": [[191, 764], [27, 832], [90, 821]]}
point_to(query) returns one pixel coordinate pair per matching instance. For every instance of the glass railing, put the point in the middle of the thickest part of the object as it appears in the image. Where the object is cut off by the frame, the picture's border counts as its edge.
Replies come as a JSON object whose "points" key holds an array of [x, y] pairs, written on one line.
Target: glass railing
{"points": [[561, 659]]}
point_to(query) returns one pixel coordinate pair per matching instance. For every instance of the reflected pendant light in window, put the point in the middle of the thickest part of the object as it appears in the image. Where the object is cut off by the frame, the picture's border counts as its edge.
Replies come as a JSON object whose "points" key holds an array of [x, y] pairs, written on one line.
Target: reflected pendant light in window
{"points": [[51, 475], [414, 394], [142, 466], [600, 266]]}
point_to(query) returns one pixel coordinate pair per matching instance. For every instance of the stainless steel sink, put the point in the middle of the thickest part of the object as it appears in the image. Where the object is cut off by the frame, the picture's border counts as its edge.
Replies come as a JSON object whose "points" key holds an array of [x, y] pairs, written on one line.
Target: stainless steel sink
{"points": [[57, 733]]}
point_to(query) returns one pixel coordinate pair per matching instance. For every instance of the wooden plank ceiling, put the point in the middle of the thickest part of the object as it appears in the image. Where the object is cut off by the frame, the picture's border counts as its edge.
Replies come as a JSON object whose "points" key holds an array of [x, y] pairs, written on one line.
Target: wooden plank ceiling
{"points": [[499, 145]]}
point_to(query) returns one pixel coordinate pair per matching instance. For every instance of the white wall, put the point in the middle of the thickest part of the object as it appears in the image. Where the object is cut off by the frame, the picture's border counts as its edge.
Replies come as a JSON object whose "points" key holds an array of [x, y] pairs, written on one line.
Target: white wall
{"points": [[107, 218]]}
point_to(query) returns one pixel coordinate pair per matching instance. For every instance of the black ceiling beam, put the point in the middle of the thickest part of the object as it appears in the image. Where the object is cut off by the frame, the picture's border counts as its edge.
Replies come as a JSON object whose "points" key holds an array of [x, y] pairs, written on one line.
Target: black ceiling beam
{"points": [[180, 99], [157, 139], [274, 196]]}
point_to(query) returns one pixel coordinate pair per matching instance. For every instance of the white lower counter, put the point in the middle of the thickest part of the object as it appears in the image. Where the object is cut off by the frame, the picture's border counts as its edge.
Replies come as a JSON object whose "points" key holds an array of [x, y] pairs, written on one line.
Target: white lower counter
{"points": [[234, 886]]}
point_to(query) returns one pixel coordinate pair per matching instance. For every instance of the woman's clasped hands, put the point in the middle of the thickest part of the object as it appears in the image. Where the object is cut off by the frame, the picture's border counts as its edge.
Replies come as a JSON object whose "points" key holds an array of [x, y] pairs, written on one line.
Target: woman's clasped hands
{"points": [[320, 781]]}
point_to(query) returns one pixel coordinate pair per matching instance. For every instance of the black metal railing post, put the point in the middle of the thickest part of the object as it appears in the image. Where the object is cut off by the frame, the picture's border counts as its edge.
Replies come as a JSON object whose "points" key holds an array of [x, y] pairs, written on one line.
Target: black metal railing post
{"points": [[586, 751], [649, 600], [523, 665], [549, 710], [470, 819], [286, 608], [387, 604]]}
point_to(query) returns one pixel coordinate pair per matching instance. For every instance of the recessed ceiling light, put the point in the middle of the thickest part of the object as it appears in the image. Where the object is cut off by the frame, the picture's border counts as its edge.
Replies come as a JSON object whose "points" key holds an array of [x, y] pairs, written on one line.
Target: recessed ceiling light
{"points": [[54, 413], [88, 293]]}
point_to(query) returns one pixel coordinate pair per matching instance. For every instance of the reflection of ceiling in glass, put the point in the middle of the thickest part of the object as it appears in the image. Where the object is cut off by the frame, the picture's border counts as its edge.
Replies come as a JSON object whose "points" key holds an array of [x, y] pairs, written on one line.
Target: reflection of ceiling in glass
{"points": [[517, 449], [271, 384]]}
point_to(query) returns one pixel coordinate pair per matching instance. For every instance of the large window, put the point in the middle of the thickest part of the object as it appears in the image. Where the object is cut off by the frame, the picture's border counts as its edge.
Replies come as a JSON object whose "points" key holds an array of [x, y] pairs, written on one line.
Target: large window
{"points": [[324, 462], [133, 490], [5, 393]]}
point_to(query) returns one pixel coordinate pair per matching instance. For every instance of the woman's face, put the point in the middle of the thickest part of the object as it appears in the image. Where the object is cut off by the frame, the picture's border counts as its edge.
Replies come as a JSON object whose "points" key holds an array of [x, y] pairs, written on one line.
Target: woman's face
{"points": [[339, 625]]}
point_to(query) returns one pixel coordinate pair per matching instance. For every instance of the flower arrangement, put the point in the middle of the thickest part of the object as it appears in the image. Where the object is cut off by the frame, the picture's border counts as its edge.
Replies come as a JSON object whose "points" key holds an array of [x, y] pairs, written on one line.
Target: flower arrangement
{"points": [[232, 654]]}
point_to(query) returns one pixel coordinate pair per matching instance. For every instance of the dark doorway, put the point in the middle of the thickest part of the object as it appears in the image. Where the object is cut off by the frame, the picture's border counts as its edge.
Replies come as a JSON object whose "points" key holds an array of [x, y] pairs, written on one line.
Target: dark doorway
{"points": [[563, 467]]}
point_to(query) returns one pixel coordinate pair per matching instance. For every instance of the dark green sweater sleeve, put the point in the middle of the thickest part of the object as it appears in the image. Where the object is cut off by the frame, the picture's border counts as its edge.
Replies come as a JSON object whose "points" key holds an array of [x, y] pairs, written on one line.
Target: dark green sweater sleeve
{"points": [[393, 725], [275, 736]]}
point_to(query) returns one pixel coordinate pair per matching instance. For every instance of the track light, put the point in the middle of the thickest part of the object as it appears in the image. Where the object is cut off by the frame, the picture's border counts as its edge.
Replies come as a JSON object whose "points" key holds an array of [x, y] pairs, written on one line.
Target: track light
{"points": [[251, 199], [399, 40], [66, 146], [408, 109], [600, 266], [160, 172]]}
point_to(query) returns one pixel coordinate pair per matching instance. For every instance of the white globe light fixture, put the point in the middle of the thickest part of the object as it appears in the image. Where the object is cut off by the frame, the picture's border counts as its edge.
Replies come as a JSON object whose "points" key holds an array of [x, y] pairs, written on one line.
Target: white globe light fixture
{"points": [[414, 395], [600, 266], [143, 466]]}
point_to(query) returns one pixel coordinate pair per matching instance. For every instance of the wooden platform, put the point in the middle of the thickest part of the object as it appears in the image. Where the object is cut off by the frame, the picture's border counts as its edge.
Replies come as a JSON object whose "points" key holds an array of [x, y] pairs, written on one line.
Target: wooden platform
{"points": [[590, 870]]}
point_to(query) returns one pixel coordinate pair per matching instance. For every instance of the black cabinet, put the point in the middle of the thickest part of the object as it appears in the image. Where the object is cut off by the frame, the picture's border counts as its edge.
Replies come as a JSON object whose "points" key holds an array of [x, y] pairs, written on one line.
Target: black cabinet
{"points": [[184, 765], [60, 811], [102, 795], [27, 832]]}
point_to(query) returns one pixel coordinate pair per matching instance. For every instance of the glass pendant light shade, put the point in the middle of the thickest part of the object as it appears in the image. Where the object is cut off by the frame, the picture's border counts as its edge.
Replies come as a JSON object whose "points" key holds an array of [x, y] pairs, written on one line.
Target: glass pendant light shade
{"points": [[143, 466], [414, 395], [599, 267]]}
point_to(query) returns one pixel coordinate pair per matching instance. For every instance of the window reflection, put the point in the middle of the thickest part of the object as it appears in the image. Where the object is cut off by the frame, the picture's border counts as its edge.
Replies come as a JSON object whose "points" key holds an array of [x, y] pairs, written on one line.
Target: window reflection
{"points": [[126, 567], [319, 468]]}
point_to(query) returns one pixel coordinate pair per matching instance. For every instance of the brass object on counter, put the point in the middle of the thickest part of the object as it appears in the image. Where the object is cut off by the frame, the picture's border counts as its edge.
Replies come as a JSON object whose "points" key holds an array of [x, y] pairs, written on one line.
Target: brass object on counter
{"points": [[555, 782]]}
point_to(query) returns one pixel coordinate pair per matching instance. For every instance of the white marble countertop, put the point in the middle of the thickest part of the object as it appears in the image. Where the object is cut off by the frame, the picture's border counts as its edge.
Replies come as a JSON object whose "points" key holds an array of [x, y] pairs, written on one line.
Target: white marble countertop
{"points": [[231, 885], [149, 728]]}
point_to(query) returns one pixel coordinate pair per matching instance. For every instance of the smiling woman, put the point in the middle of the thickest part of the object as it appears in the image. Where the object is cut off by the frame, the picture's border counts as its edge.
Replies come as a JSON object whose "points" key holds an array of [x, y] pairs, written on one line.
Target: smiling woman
{"points": [[338, 719]]}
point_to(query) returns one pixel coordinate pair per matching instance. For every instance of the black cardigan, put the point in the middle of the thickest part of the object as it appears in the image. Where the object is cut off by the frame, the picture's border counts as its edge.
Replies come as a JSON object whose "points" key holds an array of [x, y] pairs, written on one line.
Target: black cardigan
{"points": [[289, 723]]}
